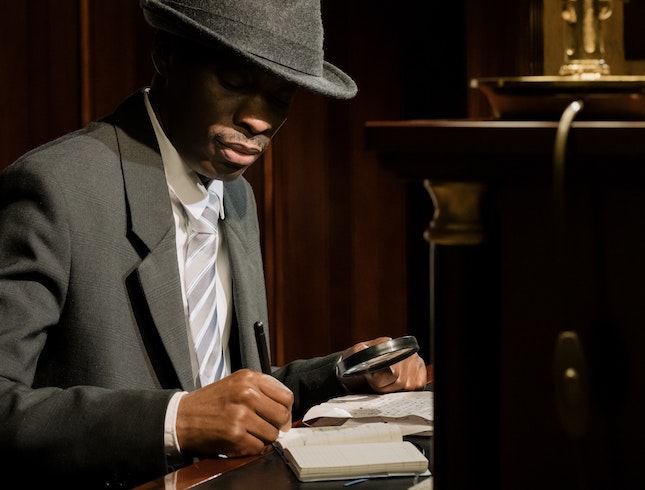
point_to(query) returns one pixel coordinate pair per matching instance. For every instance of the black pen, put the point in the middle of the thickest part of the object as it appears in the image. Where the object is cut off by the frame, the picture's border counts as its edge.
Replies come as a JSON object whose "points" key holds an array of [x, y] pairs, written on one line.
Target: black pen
{"points": [[263, 348]]}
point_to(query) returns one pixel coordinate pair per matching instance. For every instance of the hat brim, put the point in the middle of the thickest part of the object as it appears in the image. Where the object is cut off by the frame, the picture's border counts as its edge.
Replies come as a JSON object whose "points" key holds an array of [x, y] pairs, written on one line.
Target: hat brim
{"points": [[333, 82]]}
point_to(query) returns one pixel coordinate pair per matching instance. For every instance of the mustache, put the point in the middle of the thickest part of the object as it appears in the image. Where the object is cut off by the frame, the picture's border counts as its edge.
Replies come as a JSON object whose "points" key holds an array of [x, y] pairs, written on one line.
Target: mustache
{"points": [[259, 141]]}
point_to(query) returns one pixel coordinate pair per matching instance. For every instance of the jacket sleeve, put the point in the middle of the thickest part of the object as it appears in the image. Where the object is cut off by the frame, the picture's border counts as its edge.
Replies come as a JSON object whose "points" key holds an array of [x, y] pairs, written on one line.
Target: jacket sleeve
{"points": [[312, 381], [60, 430]]}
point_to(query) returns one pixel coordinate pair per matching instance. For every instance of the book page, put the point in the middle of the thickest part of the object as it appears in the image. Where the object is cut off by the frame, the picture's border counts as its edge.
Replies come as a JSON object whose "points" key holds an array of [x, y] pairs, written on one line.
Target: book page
{"points": [[366, 433]]}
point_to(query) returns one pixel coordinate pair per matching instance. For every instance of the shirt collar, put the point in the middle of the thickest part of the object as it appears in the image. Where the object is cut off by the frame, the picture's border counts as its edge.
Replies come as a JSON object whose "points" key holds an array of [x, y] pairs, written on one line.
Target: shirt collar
{"points": [[182, 180]]}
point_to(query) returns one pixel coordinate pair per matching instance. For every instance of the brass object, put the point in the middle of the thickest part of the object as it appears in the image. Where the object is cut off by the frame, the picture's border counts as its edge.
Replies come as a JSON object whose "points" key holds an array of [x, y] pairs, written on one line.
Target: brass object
{"points": [[571, 384], [584, 53], [546, 97], [457, 213]]}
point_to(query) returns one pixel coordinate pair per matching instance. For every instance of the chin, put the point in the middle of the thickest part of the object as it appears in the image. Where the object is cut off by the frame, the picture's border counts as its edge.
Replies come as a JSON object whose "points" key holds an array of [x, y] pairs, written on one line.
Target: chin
{"points": [[230, 175]]}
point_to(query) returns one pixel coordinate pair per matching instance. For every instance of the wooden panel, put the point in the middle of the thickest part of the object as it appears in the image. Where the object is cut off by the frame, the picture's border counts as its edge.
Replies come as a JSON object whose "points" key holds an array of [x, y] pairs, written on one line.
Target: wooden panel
{"points": [[40, 78], [65, 62], [116, 54], [301, 231], [503, 38], [634, 17], [342, 256]]}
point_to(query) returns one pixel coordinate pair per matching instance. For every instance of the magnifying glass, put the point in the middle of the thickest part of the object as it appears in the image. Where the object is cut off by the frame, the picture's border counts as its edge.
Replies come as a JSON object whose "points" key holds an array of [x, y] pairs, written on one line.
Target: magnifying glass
{"points": [[378, 356]]}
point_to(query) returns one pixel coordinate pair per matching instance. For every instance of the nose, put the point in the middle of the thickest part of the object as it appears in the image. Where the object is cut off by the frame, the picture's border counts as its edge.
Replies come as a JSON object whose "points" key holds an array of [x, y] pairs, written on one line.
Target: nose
{"points": [[255, 114]]}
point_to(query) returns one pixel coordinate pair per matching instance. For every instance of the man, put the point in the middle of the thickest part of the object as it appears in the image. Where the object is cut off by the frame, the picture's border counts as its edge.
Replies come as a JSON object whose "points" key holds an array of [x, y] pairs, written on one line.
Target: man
{"points": [[101, 376]]}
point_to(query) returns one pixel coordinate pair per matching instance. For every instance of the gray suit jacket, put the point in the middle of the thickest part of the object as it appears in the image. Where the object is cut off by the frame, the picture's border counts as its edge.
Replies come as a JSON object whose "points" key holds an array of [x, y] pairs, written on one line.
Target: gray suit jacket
{"points": [[93, 340]]}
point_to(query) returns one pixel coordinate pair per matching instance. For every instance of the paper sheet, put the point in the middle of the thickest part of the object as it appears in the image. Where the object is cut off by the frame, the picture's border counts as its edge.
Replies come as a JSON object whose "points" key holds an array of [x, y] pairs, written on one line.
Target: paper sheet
{"points": [[412, 411]]}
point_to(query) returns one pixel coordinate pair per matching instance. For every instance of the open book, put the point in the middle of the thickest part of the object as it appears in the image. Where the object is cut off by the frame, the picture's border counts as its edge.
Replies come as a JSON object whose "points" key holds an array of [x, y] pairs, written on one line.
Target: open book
{"points": [[339, 453]]}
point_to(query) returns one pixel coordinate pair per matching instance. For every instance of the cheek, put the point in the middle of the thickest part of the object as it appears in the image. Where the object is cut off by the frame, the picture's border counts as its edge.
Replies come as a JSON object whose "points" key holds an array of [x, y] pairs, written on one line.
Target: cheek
{"points": [[203, 102], [201, 116], [192, 138]]}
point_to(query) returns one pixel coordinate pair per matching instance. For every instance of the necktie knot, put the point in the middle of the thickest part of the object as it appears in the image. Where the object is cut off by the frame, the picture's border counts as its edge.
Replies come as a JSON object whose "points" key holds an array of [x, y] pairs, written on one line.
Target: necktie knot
{"points": [[207, 222]]}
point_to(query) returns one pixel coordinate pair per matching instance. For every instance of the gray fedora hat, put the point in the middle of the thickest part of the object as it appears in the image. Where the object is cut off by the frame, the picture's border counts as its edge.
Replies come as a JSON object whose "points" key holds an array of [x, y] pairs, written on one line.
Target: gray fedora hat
{"points": [[283, 36]]}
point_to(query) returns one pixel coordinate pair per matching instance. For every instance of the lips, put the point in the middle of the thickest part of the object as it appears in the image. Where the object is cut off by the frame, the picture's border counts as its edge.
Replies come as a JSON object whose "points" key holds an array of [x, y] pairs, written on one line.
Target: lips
{"points": [[240, 154], [241, 148]]}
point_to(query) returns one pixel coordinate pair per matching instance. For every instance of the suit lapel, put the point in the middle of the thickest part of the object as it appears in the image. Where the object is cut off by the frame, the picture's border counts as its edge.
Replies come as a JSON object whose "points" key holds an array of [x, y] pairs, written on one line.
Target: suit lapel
{"points": [[249, 295], [152, 231]]}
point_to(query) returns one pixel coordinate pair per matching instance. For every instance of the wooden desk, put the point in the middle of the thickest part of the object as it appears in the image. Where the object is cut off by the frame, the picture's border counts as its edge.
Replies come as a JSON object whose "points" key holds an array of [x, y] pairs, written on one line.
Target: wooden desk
{"points": [[267, 470], [508, 410], [255, 471]]}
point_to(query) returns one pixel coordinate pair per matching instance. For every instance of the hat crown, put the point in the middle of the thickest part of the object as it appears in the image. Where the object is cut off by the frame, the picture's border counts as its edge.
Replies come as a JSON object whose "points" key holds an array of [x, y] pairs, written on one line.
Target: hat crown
{"points": [[283, 36], [287, 32]]}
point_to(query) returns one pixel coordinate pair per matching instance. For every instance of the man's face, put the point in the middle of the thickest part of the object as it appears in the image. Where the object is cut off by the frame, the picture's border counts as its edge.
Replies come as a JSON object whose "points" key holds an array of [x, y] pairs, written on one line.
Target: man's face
{"points": [[220, 113]]}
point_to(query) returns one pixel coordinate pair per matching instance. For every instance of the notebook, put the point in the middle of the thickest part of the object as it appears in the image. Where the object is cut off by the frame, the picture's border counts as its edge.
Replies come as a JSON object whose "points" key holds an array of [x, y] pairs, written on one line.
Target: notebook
{"points": [[338, 453]]}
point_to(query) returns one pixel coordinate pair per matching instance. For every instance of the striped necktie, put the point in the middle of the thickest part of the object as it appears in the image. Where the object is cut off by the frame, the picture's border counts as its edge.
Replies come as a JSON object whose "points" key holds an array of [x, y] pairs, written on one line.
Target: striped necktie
{"points": [[201, 254]]}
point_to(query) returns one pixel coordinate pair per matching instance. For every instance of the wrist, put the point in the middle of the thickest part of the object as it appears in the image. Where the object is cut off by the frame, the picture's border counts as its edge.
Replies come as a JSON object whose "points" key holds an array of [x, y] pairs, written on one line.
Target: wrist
{"points": [[351, 384]]}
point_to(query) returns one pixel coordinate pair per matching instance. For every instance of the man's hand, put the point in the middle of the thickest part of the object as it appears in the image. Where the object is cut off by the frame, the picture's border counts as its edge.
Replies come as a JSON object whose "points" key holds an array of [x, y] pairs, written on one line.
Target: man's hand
{"points": [[236, 416], [407, 375]]}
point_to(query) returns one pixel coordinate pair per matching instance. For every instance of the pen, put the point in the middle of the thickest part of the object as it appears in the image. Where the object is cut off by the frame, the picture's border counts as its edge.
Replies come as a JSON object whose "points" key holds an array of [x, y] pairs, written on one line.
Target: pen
{"points": [[263, 348], [354, 482]]}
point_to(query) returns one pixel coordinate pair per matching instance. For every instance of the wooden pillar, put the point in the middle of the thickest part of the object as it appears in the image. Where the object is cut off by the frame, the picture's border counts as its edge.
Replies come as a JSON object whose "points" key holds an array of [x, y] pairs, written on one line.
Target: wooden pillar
{"points": [[464, 326]]}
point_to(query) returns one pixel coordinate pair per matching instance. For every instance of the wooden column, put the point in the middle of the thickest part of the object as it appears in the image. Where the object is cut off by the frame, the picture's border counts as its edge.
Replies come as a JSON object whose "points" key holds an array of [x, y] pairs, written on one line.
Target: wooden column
{"points": [[462, 331]]}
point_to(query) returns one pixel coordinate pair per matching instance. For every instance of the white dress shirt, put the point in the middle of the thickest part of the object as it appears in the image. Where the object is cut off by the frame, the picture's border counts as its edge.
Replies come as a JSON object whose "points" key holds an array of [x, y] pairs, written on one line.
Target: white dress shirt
{"points": [[189, 195]]}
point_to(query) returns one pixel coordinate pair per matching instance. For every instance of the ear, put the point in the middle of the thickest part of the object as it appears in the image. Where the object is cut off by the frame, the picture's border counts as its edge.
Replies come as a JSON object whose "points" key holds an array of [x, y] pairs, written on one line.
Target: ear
{"points": [[163, 50], [160, 59]]}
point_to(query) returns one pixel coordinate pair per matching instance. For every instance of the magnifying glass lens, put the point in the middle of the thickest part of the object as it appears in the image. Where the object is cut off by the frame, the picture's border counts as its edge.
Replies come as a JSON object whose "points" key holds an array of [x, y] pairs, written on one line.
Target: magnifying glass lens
{"points": [[378, 356]]}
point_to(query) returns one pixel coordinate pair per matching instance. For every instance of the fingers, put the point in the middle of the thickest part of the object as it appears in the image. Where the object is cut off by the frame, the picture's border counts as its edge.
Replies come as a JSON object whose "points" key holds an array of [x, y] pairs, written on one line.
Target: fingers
{"points": [[407, 375], [274, 407], [274, 389], [363, 345], [235, 416]]}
